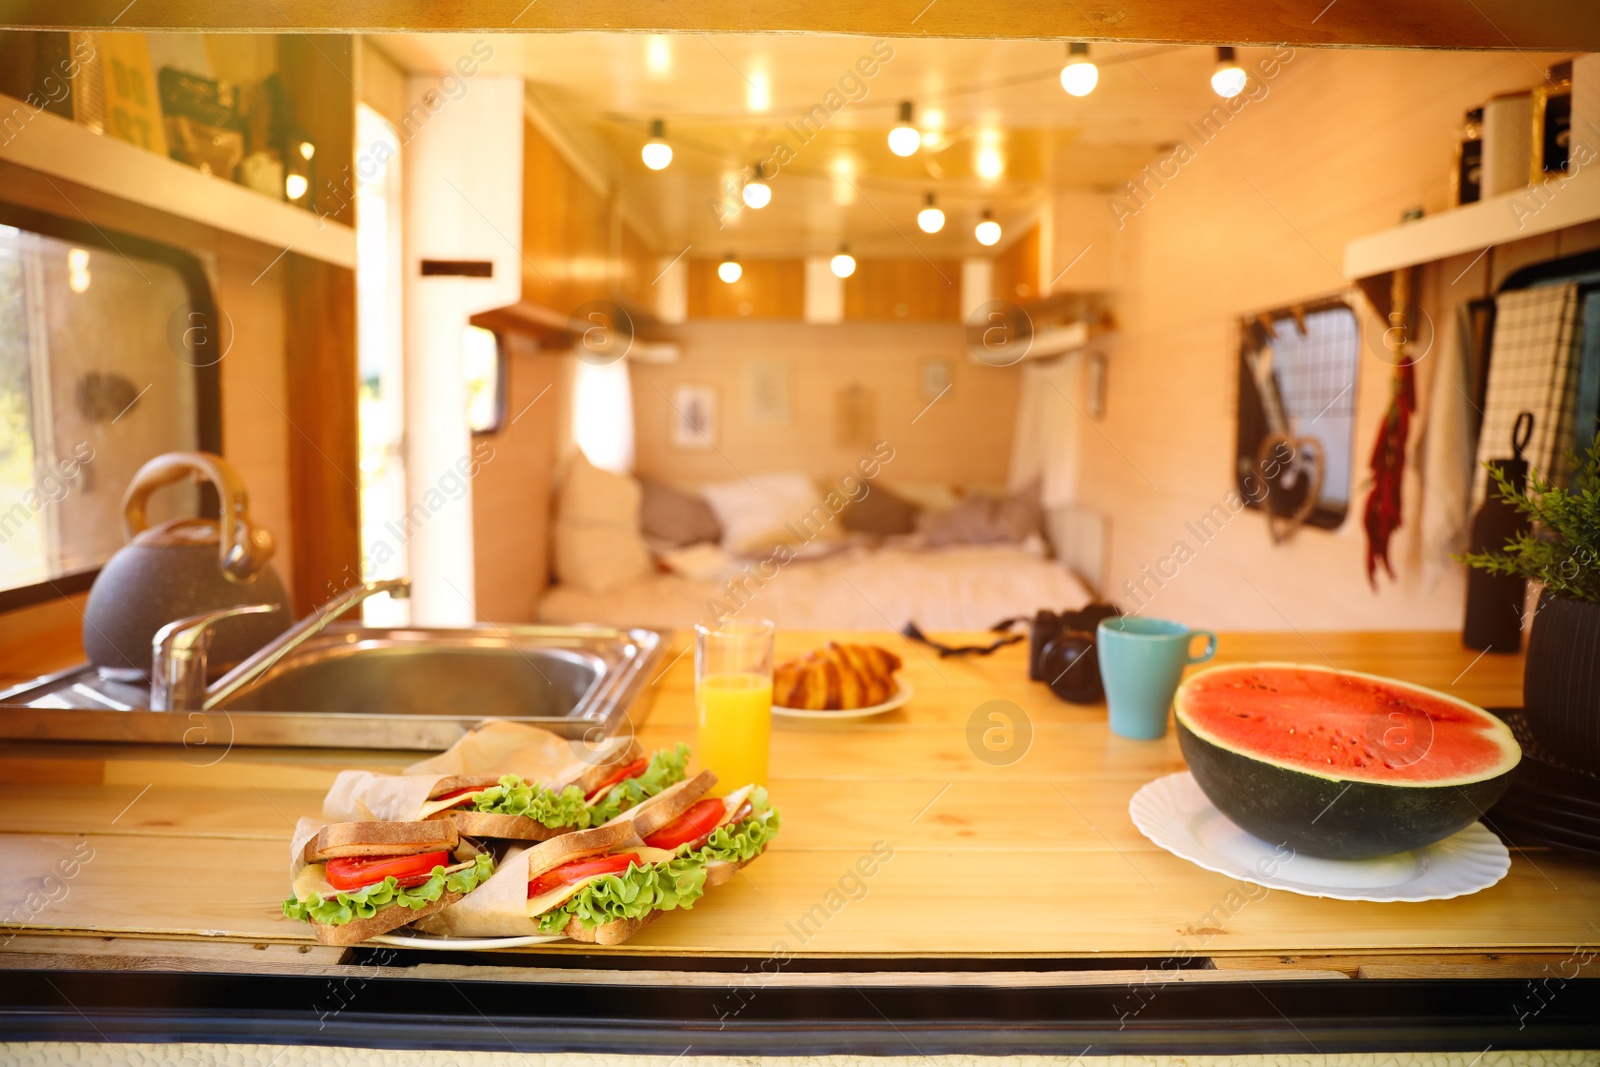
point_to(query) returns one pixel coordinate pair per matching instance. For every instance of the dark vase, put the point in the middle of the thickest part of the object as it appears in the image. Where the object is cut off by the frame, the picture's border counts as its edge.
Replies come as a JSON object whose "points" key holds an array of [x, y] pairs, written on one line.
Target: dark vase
{"points": [[1495, 602], [1561, 681]]}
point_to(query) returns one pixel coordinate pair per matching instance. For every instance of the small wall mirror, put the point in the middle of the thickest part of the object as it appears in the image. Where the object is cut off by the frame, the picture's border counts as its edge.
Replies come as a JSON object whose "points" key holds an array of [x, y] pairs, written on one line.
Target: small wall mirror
{"points": [[1297, 391]]}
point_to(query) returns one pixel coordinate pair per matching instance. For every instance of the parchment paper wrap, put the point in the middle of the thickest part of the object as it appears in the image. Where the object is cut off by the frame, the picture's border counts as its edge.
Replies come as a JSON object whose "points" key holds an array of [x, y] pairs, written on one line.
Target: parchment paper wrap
{"points": [[304, 831], [499, 907], [361, 796], [499, 747]]}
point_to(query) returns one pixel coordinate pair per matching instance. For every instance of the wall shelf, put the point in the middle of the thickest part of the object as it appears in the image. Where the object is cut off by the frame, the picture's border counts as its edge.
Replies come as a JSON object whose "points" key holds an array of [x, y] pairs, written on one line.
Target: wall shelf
{"points": [[63, 149], [1499, 220]]}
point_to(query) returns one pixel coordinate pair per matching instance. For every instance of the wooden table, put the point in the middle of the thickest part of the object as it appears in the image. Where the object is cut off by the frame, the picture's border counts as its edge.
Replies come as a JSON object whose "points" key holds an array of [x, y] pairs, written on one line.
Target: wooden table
{"points": [[1035, 857]]}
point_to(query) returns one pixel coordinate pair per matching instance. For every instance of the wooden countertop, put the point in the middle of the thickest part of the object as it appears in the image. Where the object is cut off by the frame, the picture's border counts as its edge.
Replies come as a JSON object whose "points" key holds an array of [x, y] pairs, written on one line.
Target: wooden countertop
{"points": [[1038, 857]]}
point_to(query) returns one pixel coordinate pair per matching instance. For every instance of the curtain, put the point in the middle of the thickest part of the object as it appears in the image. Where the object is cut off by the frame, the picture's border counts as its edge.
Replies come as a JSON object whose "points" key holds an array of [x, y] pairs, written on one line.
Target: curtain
{"points": [[602, 413], [1045, 446]]}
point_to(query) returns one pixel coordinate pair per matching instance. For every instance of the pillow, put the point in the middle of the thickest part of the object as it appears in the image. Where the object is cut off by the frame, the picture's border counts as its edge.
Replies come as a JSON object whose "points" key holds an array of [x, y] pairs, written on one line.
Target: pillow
{"points": [[768, 509], [983, 520], [673, 517], [701, 563], [881, 512], [597, 543]]}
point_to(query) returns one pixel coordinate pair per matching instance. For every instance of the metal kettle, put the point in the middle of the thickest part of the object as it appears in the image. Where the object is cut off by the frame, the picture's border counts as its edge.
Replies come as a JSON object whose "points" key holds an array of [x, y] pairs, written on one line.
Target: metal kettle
{"points": [[181, 568]]}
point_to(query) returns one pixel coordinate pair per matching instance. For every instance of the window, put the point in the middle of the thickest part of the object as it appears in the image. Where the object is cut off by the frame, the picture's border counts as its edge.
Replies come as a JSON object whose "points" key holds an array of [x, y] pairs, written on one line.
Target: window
{"points": [[109, 346], [1297, 393], [484, 364]]}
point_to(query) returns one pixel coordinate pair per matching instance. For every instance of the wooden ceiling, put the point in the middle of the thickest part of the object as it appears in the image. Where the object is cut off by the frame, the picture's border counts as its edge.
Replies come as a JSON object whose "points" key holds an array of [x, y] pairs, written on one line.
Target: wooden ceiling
{"points": [[1555, 25]]}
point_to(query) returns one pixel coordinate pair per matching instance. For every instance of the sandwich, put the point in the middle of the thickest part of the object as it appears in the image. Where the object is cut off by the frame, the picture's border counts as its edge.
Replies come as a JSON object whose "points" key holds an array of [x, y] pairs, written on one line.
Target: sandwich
{"points": [[509, 806], [604, 883], [682, 845], [356, 880]]}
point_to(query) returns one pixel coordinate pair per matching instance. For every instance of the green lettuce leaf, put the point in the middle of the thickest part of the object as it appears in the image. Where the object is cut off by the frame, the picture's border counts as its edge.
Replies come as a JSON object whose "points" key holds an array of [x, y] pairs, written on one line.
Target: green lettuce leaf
{"points": [[631, 894], [743, 841], [514, 796], [366, 902], [667, 767]]}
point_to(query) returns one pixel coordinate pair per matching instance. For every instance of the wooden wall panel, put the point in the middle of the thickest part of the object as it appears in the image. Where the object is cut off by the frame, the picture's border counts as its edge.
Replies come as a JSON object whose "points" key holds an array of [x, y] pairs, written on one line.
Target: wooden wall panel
{"points": [[1016, 270], [566, 233], [324, 470], [908, 290], [768, 289], [636, 269], [511, 501], [321, 80]]}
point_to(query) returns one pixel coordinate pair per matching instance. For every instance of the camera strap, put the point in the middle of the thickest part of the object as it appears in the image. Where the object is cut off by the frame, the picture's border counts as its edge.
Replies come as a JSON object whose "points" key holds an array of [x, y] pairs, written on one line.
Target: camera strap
{"points": [[1003, 627]]}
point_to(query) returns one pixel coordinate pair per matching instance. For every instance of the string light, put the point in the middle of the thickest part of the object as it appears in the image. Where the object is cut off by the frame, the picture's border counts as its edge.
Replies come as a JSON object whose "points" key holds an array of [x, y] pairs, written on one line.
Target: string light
{"points": [[657, 153], [904, 140], [930, 219], [987, 231], [1229, 78], [844, 264], [757, 193], [729, 270], [295, 186], [1079, 76]]}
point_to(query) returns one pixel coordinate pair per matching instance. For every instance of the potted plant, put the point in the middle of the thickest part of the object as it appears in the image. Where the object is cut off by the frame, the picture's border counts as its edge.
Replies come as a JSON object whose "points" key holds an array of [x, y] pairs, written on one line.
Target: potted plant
{"points": [[1561, 679]]}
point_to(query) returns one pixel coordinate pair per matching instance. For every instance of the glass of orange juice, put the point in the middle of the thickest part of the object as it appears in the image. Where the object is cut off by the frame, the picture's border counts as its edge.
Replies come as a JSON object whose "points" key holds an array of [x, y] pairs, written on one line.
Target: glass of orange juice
{"points": [[733, 699]]}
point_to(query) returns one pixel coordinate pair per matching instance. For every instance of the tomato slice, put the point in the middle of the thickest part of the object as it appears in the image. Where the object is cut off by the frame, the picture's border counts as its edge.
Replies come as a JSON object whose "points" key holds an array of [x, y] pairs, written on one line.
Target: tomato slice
{"points": [[632, 770], [578, 870], [356, 872], [696, 822]]}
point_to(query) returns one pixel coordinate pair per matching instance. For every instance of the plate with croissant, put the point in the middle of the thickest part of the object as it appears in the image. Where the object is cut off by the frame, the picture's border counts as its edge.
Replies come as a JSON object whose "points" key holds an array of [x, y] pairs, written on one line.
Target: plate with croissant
{"points": [[839, 682]]}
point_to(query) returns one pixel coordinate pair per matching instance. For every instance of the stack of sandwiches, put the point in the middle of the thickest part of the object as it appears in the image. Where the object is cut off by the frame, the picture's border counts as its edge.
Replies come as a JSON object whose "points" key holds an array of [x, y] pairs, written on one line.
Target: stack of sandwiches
{"points": [[595, 860]]}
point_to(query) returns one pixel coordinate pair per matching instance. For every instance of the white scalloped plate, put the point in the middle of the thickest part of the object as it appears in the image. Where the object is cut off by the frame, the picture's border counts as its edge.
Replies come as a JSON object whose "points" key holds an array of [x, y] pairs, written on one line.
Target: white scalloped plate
{"points": [[1174, 813], [901, 696], [445, 943]]}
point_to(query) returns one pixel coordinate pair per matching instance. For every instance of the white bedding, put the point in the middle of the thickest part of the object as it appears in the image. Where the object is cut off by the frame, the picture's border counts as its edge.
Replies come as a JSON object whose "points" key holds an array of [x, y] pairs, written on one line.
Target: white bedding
{"points": [[964, 587]]}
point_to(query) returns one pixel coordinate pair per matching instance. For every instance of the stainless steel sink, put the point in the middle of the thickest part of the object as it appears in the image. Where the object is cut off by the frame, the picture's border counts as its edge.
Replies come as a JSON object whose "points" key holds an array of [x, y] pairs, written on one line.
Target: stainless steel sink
{"points": [[362, 687]]}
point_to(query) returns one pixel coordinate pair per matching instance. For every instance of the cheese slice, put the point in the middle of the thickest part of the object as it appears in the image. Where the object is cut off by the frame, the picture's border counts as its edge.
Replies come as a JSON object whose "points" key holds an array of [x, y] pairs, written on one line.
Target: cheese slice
{"points": [[434, 806], [732, 803], [312, 881]]}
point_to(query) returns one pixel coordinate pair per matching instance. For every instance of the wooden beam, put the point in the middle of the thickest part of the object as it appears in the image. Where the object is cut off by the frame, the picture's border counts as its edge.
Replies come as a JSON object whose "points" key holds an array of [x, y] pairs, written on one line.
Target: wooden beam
{"points": [[1554, 25]]}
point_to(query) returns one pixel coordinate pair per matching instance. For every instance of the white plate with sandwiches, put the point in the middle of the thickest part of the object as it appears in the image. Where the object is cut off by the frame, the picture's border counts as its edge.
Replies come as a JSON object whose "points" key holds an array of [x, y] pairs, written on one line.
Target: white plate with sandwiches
{"points": [[445, 943], [903, 694]]}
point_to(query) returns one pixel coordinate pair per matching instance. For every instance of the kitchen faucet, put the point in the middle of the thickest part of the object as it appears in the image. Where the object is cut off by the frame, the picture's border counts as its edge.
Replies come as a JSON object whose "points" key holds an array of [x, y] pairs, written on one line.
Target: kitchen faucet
{"points": [[178, 675]]}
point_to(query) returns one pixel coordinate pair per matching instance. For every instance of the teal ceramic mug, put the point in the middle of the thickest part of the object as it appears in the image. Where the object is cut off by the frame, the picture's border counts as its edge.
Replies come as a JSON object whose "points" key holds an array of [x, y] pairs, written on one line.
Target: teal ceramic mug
{"points": [[1141, 663]]}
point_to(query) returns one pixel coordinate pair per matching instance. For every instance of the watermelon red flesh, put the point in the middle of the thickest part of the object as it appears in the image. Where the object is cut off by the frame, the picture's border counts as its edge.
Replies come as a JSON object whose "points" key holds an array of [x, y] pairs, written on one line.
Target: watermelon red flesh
{"points": [[1345, 725]]}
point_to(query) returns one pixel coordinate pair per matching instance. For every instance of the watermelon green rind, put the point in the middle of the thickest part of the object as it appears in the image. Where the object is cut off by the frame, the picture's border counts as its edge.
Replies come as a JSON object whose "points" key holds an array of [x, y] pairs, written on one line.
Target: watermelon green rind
{"points": [[1343, 814]]}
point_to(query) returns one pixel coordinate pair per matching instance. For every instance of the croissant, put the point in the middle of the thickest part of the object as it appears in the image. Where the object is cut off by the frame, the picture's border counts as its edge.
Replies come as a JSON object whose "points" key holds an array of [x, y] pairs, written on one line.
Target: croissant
{"points": [[836, 678]]}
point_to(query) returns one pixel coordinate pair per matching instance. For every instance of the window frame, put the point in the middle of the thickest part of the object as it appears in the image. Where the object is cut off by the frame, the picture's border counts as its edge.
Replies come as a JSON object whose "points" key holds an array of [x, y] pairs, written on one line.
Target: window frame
{"points": [[207, 380]]}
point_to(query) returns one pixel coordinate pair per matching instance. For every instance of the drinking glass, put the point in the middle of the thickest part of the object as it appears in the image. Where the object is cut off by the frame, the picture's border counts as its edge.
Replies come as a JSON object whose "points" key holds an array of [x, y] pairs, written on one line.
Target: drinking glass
{"points": [[733, 699]]}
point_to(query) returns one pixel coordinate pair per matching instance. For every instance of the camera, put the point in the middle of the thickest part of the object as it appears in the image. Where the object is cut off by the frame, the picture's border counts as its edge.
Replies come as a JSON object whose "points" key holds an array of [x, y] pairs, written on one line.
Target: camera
{"points": [[1061, 652]]}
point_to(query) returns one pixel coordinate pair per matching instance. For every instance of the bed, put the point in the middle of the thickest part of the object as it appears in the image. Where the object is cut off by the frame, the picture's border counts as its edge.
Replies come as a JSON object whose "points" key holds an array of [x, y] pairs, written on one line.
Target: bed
{"points": [[958, 587]]}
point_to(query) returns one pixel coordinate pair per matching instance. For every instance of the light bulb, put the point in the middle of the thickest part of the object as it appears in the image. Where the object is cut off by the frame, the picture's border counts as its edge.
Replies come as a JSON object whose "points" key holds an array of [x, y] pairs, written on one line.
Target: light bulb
{"points": [[307, 150], [1229, 78], [930, 219], [843, 265], [988, 231], [989, 164], [757, 193], [904, 140], [1079, 76], [295, 186], [729, 270], [656, 153]]}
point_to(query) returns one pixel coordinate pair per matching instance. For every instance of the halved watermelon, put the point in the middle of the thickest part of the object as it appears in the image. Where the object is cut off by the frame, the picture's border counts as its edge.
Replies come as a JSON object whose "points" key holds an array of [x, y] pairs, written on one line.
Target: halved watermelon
{"points": [[1337, 763]]}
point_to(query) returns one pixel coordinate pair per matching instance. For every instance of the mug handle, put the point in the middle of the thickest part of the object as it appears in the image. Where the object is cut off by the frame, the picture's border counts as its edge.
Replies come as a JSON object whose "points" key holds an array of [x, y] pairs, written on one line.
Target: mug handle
{"points": [[1211, 646]]}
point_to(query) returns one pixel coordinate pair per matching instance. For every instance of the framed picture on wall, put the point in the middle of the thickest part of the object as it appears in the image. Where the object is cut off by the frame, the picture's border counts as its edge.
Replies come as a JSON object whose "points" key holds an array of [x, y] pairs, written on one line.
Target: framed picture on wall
{"points": [[694, 418]]}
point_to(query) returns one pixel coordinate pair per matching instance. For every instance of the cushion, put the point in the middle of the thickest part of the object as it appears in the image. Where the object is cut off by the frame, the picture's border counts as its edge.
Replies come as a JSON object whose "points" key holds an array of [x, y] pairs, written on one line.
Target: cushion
{"points": [[763, 510], [983, 520], [598, 547], [702, 563], [881, 512], [671, 516]]}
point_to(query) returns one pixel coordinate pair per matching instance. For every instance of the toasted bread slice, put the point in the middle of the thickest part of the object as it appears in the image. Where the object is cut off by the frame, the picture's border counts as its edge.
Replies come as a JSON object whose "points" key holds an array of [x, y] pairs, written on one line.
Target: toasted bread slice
{"points": [[503, 827], [611, 933], [453, 782], [595, 773], [390, 918], [550, 854], [652, 813], [721, 872], [381, 839]]}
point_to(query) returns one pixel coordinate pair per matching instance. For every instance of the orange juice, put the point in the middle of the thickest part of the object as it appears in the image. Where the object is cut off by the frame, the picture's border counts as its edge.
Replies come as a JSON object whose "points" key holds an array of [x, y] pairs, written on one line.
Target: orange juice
{"points": [[735, 728]]}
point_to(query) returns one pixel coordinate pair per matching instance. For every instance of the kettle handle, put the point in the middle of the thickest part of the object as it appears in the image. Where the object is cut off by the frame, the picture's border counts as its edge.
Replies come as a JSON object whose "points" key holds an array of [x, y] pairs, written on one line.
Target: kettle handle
{"points": [[244, 547]]}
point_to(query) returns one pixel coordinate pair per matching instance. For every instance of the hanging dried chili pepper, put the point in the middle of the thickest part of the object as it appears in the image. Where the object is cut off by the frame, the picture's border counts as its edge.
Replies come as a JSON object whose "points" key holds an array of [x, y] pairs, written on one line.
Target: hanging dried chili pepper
{"points": [[1388, 463]]}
